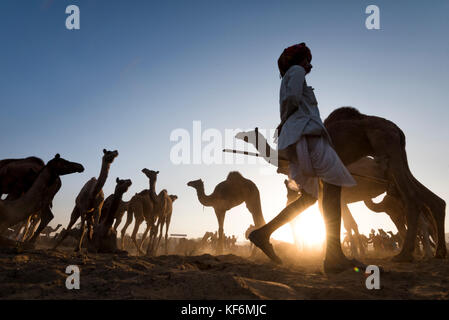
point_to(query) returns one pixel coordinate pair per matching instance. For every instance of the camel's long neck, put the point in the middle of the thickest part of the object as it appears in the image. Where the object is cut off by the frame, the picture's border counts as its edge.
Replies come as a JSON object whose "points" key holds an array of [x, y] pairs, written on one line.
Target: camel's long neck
{"points": [[153, 194], [56, 229], [102, 177], [116, 200], [376, 207], [205, 200]]}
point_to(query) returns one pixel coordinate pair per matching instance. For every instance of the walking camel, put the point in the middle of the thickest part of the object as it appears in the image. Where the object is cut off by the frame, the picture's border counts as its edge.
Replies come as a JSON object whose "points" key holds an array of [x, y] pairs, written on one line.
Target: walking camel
{"points": [[89, 201], [370, 175], [228, 194], [355, 136]]}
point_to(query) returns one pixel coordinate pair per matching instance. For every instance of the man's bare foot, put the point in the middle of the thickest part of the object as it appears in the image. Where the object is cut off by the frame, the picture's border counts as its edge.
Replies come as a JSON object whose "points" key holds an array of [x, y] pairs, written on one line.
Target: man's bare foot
{"points": [[264, 244]]}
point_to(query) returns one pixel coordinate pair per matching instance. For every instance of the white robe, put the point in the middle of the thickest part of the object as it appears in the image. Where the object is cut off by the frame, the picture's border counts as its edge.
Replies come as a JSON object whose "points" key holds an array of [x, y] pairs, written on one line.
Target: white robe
{"points": [[305, 134]]}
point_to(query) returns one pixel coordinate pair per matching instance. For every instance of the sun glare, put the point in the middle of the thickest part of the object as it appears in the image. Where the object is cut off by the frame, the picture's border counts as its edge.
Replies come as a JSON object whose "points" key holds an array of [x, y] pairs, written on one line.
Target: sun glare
{"points": [[309, 228]]}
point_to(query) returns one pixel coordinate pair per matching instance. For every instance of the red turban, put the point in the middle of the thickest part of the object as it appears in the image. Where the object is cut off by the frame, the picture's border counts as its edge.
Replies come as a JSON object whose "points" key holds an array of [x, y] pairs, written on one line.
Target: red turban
{"points": [[293, 55]]}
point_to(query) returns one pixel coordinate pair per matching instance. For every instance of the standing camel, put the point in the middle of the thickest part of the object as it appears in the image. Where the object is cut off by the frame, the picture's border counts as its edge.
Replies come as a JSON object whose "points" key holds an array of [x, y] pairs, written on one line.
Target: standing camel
{"points": [[164, 218], [142, 208], [228, 194], [356, 136], [89, 201]]}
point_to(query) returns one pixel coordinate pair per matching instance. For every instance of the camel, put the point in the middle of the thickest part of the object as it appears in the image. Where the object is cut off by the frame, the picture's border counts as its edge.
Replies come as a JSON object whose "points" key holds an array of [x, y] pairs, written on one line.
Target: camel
{"points": [[356, 136], [16, 178], [48, 230], [393, 206], [74, 233], [14, 211], [89, 201], [228, 194], [142, 208], [164, 218], [18, 175], [190, 247], [105, 237]]}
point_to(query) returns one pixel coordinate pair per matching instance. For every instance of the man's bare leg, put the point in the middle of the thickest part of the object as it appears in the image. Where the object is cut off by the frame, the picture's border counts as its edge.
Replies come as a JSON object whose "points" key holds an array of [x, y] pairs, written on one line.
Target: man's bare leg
{"points": [[261, 236], [335, 260]]}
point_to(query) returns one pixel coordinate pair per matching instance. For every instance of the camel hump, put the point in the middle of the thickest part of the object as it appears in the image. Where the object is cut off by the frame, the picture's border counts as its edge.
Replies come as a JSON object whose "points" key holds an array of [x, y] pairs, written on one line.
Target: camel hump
{"points": [[234, 175], [344, 113]]}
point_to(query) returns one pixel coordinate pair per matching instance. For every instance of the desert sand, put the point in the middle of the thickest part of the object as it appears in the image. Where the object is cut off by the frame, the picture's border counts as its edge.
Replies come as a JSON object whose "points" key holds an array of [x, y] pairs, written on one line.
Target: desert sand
{"points": [[40, 274]]}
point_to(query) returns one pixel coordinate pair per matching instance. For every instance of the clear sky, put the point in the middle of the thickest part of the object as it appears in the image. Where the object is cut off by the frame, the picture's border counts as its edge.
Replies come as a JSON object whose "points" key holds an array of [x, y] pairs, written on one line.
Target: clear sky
{"points": [[137, 70]]}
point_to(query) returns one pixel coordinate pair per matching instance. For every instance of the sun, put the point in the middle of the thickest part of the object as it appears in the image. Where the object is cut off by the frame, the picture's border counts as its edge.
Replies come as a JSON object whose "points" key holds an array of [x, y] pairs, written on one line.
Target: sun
{"points": [[309, 227]]}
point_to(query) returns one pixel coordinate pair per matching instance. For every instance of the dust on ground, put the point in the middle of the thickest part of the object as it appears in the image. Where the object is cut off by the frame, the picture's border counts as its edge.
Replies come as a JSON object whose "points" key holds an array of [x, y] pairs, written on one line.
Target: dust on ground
{"points": [[40, 274]]}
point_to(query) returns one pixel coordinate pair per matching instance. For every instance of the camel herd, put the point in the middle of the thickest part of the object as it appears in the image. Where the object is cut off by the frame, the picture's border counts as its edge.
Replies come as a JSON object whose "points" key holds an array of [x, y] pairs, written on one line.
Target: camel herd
{"points": [[373, 148], [30, 186]]}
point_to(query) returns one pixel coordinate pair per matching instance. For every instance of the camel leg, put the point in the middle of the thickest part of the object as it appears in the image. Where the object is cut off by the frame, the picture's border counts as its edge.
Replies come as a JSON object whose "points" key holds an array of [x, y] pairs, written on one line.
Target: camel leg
{"points": [[254, 206], [144, 236], [425, 236], [83, 233], [335, 260], [350, 226], [27, 228], [118, 220], [412, 208], [18, 230], [73, 218], [220, 217], [438, 210], [33, 228], [161, 227], [153, 237], [137, 224], [129, 219], [46, 217], [167, 225]]}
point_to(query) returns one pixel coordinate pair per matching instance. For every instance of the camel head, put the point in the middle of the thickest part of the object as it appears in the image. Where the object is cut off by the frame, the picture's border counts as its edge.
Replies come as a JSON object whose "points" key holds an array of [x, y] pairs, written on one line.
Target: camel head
{"points": [[61, 167], [152, 175], [122, 185], [109, 156], [173, 197], [249, 136], [196, 183]]}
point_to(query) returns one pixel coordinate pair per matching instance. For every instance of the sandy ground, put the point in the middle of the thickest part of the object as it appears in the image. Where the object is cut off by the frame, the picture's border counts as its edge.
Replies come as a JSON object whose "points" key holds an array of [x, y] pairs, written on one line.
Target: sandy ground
{"points": [[40, 274]]}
